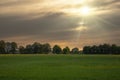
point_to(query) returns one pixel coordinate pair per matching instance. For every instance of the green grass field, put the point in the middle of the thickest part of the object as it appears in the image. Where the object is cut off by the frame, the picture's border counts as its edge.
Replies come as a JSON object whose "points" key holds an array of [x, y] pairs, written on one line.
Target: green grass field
{"points": [[59, 67]]}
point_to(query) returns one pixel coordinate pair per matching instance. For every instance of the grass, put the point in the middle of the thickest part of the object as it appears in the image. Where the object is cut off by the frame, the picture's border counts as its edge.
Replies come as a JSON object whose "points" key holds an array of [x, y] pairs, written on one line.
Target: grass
{"points": [[59, 67]]}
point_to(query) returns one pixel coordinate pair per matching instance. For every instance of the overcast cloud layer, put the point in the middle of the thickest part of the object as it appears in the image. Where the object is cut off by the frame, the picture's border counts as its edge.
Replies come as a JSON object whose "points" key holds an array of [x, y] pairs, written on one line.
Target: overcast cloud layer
{"points": [[59, 22]]}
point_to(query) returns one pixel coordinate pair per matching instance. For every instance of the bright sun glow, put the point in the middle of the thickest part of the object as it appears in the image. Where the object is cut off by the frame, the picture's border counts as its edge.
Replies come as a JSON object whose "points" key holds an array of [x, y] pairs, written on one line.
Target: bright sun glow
{"points": [[81, 11], [85, 11]]}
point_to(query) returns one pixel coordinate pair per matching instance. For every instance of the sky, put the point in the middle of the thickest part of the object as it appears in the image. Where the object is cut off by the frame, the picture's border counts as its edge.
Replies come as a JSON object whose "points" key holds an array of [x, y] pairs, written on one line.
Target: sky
{"points": [[62, 22]]}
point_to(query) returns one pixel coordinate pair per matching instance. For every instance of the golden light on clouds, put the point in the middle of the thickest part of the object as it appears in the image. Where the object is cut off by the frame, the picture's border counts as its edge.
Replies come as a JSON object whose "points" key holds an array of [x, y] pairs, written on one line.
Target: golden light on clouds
{"points": [[58, 21], [39, 8], [81, 28], [82, 11]]}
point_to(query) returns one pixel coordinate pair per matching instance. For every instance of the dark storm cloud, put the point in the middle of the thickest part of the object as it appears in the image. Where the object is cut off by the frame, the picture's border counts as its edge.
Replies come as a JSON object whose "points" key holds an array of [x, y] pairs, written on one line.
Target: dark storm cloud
{"points": [[53, 25]]}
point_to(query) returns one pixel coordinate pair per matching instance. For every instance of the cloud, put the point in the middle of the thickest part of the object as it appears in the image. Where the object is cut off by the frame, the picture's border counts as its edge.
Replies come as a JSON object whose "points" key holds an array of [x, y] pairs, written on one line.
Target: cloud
{"points": [[52, 23], [49, 21]]}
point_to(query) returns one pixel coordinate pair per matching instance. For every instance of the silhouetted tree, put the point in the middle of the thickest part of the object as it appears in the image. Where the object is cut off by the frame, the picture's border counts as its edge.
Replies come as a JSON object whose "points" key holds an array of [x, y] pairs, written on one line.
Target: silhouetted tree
{"points": [[118, 49], [29, 49], [87, 50], [13, 47], [94, 49], [2, 47], [75, 51], [113, 48], [37, 48], [21, 49], [8, 47], [57, 49], [46, 48], [106, 48], [66, 50]]}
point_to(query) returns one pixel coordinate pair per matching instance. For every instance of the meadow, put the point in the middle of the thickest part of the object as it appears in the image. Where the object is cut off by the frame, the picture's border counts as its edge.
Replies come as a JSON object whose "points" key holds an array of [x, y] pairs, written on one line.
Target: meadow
{"points": [[59, 67]]}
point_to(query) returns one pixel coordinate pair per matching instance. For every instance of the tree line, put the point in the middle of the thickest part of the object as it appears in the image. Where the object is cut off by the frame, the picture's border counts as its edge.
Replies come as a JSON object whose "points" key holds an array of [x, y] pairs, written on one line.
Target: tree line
{"points": [[102, 49], [35, 48], [38, 48]]}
